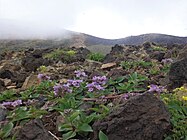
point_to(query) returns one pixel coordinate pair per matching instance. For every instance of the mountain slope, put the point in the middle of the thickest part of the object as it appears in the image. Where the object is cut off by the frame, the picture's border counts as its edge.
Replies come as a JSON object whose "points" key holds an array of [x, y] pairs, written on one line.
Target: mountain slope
{"points": [[16, 30], [136, 40]]}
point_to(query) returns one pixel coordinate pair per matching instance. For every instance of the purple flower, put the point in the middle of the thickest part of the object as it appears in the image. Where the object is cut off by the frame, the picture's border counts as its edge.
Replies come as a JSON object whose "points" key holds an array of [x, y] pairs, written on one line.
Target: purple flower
{"points": [[57, 89], [100, 79], [80, 74], [155, 88], [94, 86], [14, 103], [66, 88], [99, 87], [75, 83], [167, 61], [43, 77]]}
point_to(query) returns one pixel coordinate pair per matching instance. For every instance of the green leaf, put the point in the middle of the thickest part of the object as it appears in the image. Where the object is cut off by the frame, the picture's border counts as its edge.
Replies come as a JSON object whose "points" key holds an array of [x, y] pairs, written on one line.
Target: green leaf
{"points": [[102, 136], [65, 127], [74, 115], [5, 132], [69, 135], [85, 127]]}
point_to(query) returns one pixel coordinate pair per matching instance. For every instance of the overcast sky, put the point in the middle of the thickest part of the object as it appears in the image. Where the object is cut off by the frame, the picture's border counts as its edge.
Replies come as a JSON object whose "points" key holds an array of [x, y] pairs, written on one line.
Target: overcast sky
{"points": [[102, 18]]}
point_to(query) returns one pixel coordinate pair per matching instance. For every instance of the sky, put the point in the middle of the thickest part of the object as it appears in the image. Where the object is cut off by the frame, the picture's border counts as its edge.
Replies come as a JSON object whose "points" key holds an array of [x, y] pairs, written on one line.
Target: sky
{"points": [[102, 18]]}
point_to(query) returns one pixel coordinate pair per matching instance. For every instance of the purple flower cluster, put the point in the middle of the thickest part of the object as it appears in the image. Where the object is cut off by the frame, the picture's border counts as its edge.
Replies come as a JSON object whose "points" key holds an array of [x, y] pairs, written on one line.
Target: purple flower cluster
{"points": [[100, 79], [156, 88], [167, 60], [43, 77], [80, 74], [58, 89], [14, 103], [75, 83], [91, 87], [97, 83]]}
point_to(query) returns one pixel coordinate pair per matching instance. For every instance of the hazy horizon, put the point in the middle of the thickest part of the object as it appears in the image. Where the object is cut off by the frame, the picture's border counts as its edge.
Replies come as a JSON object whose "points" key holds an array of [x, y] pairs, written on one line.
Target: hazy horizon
{"points": [[106, 19]]}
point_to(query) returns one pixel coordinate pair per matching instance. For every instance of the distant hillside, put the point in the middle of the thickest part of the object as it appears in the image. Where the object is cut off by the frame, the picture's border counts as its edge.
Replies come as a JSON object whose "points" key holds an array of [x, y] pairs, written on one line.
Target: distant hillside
{"points": [[136, 40], [12, 35]]}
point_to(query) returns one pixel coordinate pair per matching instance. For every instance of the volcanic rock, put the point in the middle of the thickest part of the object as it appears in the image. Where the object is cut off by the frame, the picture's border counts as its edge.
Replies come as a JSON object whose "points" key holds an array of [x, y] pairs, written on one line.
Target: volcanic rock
{"points": [[31, 63], [34, 130], [157, 55], [178, 73], [142, 117]]}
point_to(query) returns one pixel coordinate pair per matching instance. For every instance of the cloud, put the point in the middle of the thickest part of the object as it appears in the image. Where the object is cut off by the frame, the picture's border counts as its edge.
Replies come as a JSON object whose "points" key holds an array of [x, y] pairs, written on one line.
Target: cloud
{"points": [[103, 18]]}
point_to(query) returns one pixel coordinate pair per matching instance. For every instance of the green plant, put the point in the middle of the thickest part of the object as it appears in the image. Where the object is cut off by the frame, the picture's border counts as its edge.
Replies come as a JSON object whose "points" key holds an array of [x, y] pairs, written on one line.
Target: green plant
{"points": [[75, 122], [54, 54], [42, 69], [19, 116], [8, 94], [135, 64], [159, 48], [6, 130], [44, 88], [96, 57], [59, 53], [178, 111], [71, 52], [134, 82], [102, 136]]}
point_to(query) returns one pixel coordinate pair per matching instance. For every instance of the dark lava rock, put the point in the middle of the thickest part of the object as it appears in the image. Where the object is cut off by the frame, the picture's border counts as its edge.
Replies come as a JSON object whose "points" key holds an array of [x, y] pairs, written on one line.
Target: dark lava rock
{"points": [[38, 53], [2, 86], [31, 63], [34, 130], [157, 55], [109, 58], [3, 113], [19, 79], [80, 56], [117, 49], [6, 74], [34, 59], [178, 73], [143, 117], [116, 73], [115, 55], [16, 77], [83, 51], [146, 45]]}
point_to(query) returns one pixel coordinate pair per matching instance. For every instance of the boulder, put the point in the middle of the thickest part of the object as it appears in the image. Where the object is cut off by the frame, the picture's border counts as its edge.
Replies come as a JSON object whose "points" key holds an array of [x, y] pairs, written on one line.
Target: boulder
{"points": [[117, 49], [142, 117], [6, 74], [31, 63], [34, 130], [178, 73], [157, 55]]}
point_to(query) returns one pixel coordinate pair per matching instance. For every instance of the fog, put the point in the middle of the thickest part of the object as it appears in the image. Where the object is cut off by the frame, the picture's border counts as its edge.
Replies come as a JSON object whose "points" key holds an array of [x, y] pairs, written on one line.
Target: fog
{"points": [[102, 18]]}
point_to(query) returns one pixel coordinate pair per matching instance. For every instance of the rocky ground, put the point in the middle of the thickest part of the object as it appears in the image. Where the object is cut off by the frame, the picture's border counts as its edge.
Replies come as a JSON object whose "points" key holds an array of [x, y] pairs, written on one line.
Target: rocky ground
{"points": [[134, 92]]}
